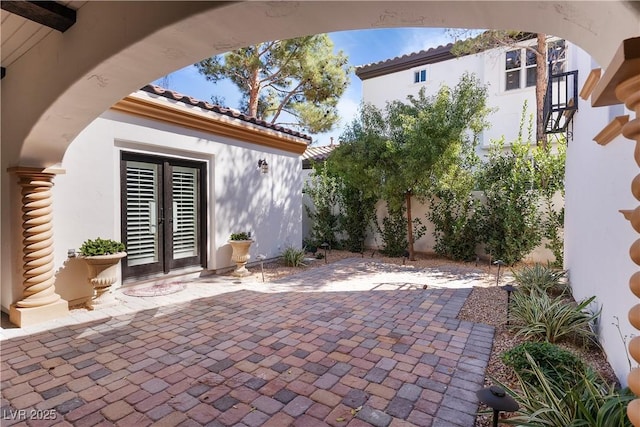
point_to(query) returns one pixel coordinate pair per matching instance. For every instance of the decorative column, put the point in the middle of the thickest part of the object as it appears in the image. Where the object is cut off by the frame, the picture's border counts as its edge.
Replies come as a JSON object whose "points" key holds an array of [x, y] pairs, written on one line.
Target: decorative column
{"points": [[621, 83], [629, 92], [39, 301]]}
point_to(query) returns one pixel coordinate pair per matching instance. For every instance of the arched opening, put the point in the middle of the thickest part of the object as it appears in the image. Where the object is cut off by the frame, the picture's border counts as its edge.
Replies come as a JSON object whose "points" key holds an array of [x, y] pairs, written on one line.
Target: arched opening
{"points": [[55, 89], [114, 49]]}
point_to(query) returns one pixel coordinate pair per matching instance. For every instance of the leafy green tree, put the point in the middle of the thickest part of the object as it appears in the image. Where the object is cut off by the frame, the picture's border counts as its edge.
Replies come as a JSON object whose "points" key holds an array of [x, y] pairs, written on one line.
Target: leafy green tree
{"points": [[398, 151], [302, 77]]}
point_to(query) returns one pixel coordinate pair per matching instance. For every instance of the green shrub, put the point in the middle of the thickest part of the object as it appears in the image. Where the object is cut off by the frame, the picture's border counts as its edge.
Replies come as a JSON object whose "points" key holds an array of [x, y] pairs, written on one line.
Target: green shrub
{"points": [[358, 211], [509, 218], [293, 257], [552, 231], [538, 316], [322, 188], [240, 236], [394, 234], [101, 247], [541, 278], [558, 364], [589, 403], [310, 245], [455, 225]]}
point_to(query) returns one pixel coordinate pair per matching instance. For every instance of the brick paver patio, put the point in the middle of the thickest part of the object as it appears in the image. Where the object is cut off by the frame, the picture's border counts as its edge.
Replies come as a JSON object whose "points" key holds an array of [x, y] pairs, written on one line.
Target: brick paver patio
{"points": [[244, 357]]}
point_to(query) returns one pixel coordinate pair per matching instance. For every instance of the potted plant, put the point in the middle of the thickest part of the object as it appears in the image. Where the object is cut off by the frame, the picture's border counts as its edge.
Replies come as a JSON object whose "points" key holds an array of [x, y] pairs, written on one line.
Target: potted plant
{"points": [[102, 257], [240, 243]]}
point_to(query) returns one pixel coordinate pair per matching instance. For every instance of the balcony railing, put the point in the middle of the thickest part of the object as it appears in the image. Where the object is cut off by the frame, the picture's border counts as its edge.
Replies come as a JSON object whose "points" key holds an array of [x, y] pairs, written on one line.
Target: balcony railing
{"points": [[560, 101]]}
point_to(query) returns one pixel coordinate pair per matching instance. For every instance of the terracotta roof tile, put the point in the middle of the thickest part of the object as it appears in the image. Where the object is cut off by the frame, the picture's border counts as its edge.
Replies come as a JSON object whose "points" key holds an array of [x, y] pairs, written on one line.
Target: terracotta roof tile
{"points": [[416, 59], [316, 154], [176, 96], [405, 62]]}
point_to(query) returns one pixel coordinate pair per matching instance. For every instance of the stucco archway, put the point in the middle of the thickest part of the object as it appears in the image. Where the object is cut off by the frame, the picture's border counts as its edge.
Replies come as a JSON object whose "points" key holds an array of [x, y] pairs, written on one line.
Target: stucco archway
{"points": [[55, 89]]}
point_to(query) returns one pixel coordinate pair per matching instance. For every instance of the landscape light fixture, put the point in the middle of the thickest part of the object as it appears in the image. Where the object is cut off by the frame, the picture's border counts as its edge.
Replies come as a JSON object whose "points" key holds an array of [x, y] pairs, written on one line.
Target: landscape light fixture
{"points": [[324, 246], [497, 399], [261, 258], [263, 166], [509, 288], [499, 263]]}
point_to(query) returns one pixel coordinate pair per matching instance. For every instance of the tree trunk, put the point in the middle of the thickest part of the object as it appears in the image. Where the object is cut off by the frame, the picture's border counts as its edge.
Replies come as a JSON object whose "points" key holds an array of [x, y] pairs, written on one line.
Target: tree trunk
{"points": [[541, 88], [412, 256], [254, 93]]}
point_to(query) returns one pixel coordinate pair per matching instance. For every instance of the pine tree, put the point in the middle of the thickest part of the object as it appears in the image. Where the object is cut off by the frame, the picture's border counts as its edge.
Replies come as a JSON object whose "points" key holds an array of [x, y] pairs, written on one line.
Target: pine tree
{"points": [[295, 82]]}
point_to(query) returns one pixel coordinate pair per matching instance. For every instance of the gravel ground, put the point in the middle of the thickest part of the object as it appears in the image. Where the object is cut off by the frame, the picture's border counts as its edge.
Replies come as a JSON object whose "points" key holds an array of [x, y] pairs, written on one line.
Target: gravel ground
{"points": [[486, 304]]}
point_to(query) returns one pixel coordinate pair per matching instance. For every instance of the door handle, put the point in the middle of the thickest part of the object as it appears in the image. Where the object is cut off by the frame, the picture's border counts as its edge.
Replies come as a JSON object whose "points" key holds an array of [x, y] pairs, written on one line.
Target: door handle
{"points": [[153, 214], [174, 211]]}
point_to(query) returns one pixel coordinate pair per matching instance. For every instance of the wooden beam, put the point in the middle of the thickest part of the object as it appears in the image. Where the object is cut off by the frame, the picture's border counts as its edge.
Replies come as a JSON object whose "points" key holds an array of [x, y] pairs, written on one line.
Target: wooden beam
{"points": [[625, 64], [611, 130], [590, 83], [48, 13]]}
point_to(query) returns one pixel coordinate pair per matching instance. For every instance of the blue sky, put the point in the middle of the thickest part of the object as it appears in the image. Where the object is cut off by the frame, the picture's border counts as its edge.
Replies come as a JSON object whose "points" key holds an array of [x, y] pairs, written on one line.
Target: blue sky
{"points": [[361, 46]]}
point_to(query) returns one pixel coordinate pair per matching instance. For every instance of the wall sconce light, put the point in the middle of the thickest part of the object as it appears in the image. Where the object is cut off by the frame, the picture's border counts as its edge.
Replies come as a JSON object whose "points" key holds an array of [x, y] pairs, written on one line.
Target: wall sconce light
{"points": [[263, 166]]}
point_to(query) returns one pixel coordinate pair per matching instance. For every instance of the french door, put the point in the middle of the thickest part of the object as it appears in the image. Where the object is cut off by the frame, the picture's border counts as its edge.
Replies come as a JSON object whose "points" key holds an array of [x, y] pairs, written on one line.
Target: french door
{"points": [[163, 201]]}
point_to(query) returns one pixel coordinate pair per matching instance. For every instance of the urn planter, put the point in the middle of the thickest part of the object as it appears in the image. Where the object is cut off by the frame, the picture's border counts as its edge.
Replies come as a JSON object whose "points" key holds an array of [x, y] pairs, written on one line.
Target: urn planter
{"points": [[240, 256], [103, 272]]}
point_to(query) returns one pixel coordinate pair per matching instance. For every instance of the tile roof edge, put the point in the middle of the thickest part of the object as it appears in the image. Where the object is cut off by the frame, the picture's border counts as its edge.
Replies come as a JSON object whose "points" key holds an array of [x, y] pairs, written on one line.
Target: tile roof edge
{"points": [[230, 112], [415, 59], [405, 62]]}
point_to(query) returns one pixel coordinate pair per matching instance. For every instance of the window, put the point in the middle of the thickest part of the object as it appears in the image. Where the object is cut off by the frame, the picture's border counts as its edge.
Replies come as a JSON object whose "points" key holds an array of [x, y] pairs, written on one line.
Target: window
{"points": [[420, 76], [513, 67], [518, 75], [557, 56], [530, 67]]}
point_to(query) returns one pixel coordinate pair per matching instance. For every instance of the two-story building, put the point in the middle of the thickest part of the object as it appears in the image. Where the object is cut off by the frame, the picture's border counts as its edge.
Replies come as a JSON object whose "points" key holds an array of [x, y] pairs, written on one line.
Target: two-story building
{"points": [[509, 74]]}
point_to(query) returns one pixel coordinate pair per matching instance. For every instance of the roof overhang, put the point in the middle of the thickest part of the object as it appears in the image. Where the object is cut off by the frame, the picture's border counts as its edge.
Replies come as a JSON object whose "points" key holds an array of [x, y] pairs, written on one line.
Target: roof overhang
{"points": [[141, 105], [406, 62]]}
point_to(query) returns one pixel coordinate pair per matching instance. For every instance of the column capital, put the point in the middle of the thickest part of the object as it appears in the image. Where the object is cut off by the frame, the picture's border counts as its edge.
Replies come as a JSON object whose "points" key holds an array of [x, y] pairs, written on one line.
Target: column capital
{"points": [[31, 171]]}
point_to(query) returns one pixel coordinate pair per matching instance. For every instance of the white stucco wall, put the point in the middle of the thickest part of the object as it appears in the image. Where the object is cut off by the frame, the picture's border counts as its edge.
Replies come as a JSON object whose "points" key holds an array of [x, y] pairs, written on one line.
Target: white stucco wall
{"points": [[489, 68], [240, 198], [597, 237]]}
